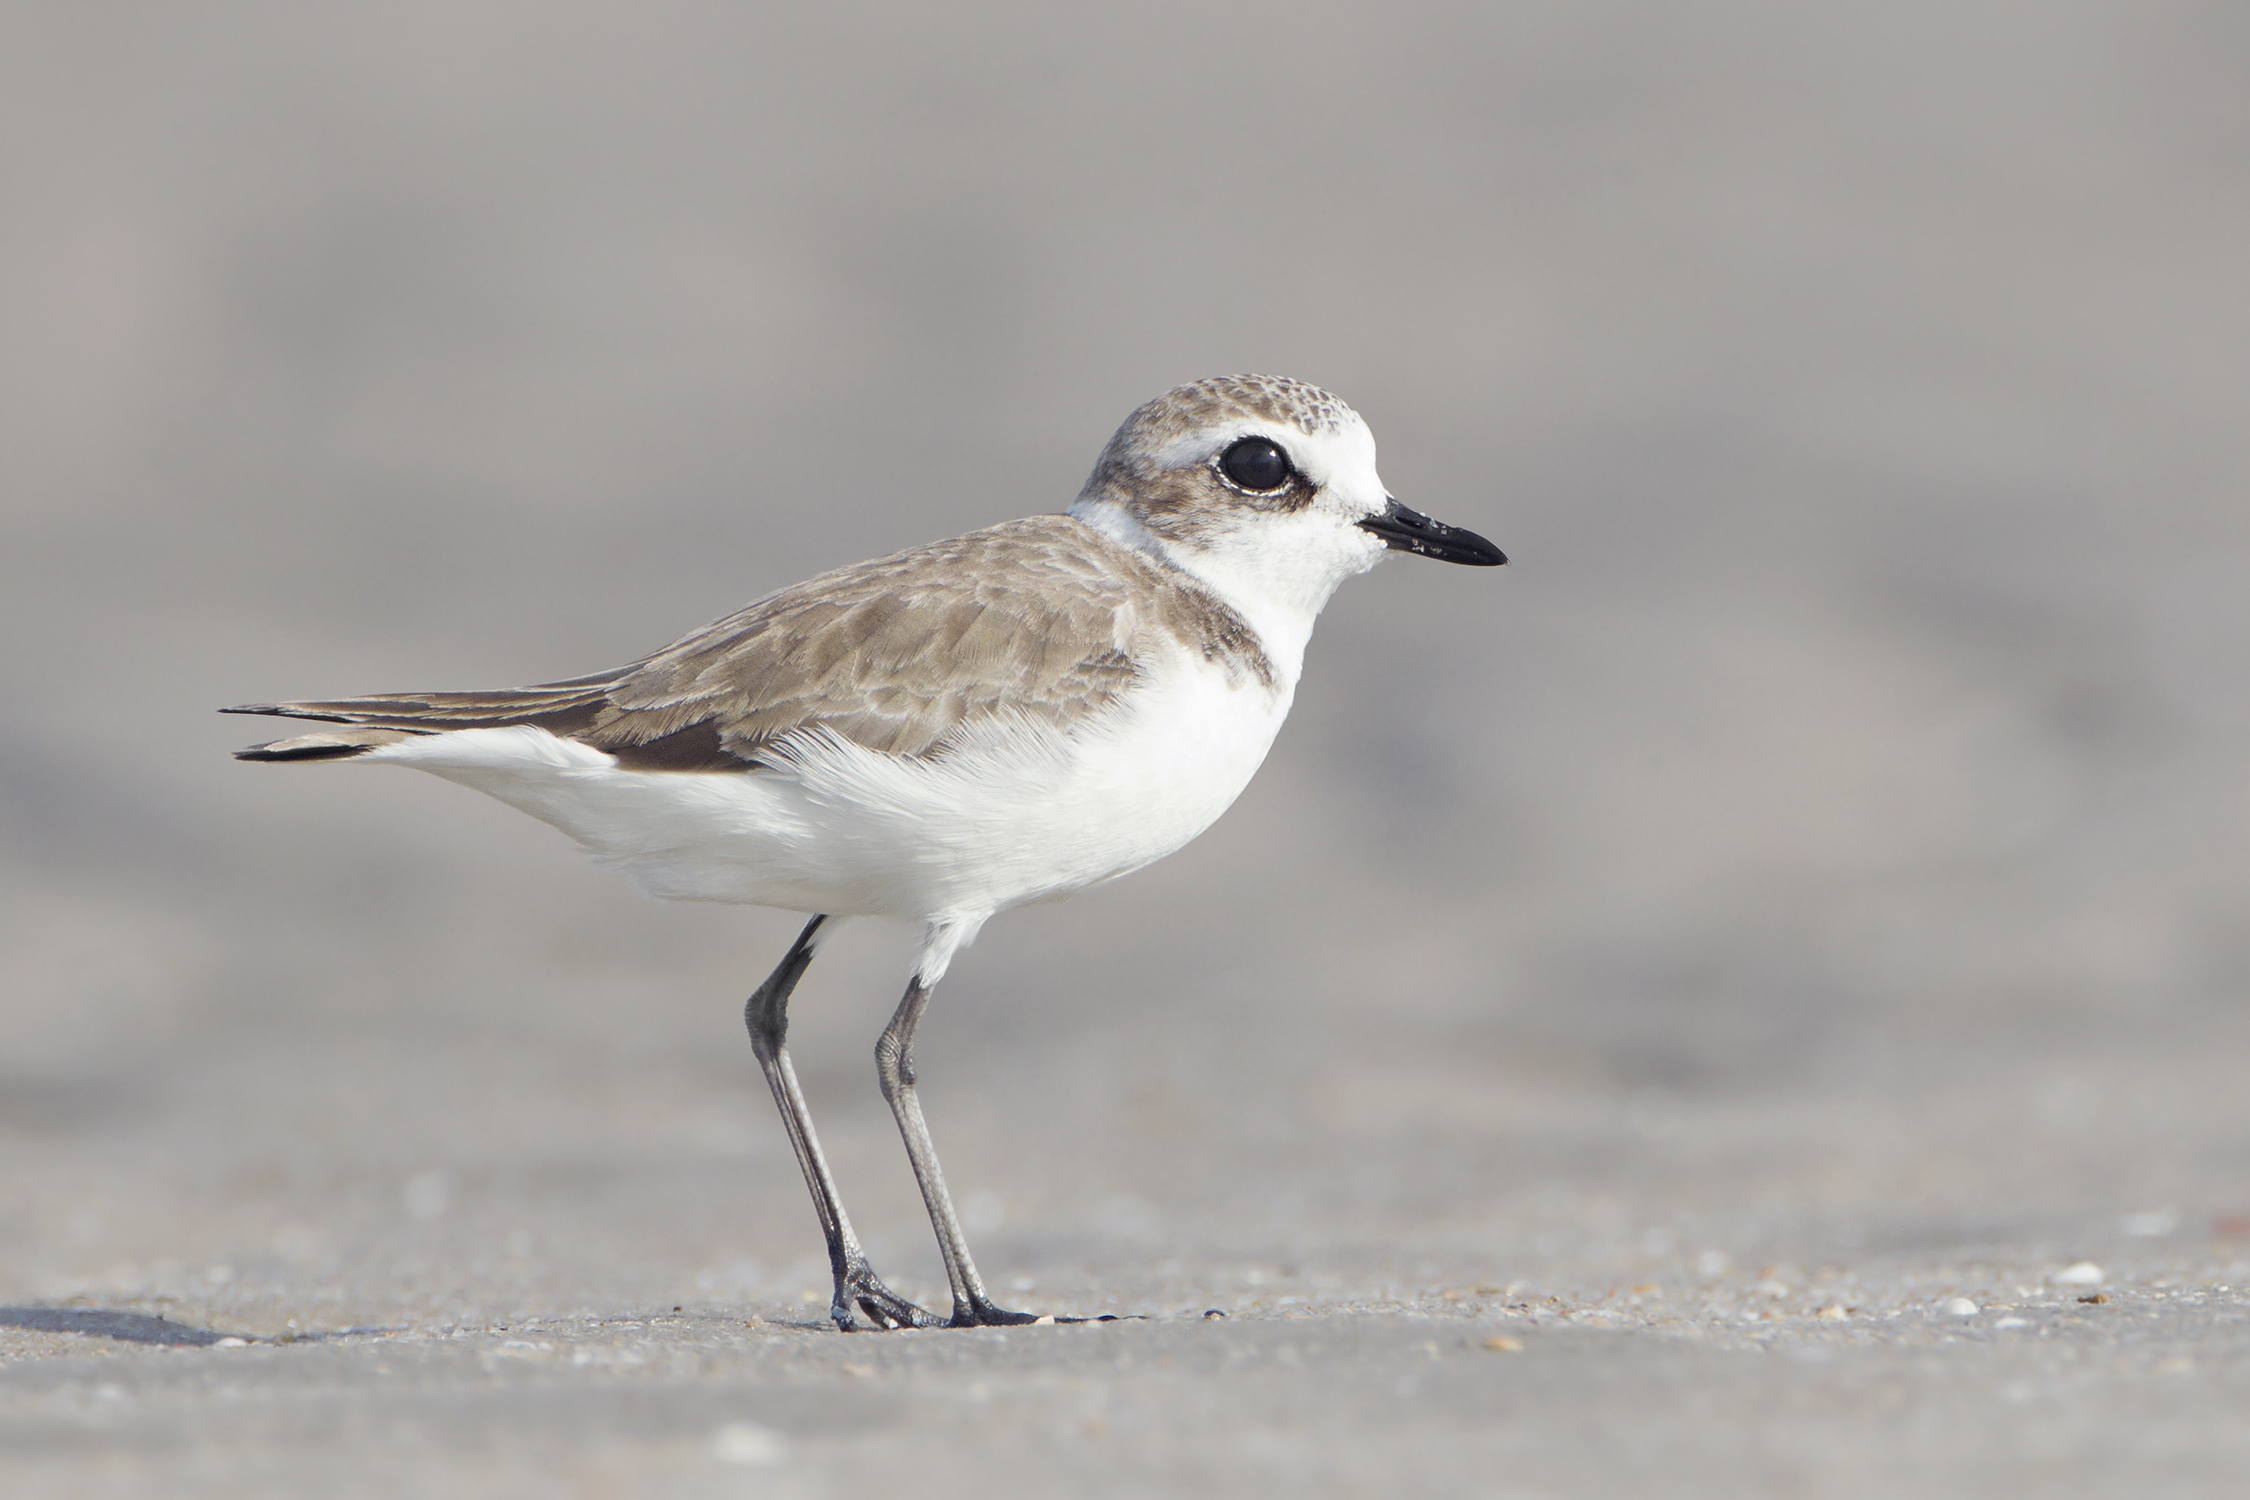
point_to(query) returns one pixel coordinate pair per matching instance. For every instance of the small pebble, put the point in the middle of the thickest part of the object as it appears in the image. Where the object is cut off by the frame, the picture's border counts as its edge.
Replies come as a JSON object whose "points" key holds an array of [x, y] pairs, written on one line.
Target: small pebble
{"points": [[231, 1342], [1500, 1343], [2085, 1273], [1832, 1314], [1958, 1307], [750, 1446], [2011, 1322]]}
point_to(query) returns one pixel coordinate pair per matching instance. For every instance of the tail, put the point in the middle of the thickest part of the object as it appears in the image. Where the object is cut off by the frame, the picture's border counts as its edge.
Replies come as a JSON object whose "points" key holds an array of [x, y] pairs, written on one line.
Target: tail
{"points": [[327, 744], [365, 724]]}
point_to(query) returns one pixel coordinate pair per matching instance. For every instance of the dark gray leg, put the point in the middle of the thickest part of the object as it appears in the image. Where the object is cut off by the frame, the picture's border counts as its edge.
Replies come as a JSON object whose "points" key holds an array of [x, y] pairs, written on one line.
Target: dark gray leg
{"points": [[894, 1064], [858, 1290]]}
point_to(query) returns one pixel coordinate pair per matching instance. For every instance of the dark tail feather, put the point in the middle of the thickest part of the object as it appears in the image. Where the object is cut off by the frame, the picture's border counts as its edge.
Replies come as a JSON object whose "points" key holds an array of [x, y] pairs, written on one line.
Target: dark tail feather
{"points": [[302, 752], [327, 744]]}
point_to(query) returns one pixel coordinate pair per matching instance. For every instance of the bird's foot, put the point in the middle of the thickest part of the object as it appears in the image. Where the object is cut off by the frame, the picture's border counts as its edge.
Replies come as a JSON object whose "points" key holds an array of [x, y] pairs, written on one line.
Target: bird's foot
{"points": [[982, 1312], [862, 1302], [861, 1293]]}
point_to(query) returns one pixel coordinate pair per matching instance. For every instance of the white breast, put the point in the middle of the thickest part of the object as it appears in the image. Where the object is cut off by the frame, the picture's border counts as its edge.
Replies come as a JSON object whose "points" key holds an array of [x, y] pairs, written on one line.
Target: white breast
{"points": [[1019, 812]]}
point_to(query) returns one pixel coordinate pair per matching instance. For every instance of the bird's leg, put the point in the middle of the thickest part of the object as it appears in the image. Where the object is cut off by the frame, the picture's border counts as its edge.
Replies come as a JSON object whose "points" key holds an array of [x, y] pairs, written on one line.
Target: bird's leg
{"points": [[858, 1290], [894, 1064]]}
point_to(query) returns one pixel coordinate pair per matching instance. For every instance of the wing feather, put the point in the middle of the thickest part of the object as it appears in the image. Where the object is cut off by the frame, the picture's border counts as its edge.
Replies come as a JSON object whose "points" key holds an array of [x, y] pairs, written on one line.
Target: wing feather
{"points": [[1037, 617]]}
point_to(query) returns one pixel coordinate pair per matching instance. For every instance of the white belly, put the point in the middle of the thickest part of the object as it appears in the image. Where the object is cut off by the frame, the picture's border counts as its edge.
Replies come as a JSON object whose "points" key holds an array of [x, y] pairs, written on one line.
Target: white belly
{"points": [[1019, 813]]}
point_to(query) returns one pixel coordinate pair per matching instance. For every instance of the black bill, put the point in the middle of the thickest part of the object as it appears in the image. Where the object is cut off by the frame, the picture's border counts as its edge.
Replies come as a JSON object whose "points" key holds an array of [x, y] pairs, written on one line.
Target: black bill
{"points": [[1404, 530]]}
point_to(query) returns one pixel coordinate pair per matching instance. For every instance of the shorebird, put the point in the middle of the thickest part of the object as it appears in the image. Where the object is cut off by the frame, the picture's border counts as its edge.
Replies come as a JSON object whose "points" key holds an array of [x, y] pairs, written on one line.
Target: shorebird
{"points": [[950, 731]]}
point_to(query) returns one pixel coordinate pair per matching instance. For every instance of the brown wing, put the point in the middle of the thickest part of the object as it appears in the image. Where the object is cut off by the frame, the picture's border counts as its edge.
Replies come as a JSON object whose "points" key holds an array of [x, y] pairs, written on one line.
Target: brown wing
{"points": [[895, 654]]}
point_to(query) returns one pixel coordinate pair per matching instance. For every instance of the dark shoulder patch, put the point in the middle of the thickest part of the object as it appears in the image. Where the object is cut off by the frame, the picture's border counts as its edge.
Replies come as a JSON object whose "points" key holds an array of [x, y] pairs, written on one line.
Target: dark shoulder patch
{"points": [[1197, 618], [1209, 624]]}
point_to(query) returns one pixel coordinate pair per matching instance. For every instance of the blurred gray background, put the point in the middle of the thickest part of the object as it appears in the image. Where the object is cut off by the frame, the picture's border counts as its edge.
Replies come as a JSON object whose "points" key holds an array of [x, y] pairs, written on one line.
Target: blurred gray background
{"points": [[1830, 836]]}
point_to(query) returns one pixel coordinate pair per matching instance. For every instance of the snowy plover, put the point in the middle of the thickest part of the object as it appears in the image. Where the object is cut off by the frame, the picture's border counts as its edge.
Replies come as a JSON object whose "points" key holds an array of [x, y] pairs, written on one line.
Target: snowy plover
{"points": [[951, 731]]}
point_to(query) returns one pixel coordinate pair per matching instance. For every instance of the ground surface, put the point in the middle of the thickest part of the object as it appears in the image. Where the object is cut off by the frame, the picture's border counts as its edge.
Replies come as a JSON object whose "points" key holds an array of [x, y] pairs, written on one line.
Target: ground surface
{"points": [[1696, 1012], [1547, 1297], [1481, 1396]]}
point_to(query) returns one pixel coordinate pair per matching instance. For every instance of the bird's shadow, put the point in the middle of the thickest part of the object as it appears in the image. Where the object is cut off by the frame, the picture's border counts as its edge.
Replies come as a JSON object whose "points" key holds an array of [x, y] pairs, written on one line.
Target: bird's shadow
{"points": [[156, 1329], [129, 1327]]}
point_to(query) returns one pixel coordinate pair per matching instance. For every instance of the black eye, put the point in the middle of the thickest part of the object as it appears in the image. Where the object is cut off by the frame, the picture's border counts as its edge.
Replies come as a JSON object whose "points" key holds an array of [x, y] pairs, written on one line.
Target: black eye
{"points": [[1256, 463]]}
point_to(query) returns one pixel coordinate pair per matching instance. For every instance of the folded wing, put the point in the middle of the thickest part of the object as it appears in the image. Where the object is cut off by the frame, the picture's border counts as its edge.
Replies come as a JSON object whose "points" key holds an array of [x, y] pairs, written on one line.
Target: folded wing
{"points": [[1035, 618]]}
